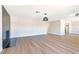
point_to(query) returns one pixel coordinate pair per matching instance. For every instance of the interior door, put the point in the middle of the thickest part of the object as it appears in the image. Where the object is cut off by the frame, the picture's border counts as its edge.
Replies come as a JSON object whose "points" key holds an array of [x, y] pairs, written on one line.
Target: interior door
{"points": [[67, 29]]}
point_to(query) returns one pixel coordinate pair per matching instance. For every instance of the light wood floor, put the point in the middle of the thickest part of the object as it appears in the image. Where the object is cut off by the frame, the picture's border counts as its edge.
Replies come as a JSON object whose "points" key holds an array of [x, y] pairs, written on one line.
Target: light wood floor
{"points": [[46, 44]]}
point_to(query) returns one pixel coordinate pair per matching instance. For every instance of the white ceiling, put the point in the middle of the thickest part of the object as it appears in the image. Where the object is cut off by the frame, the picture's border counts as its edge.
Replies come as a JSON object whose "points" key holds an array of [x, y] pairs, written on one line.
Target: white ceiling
{"points": [[53, 12]]}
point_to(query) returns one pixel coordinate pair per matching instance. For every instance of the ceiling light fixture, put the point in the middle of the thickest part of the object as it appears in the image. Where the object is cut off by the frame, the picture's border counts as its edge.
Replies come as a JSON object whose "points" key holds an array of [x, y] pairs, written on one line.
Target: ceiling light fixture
{"points": [[45, 18], [37, 11]]}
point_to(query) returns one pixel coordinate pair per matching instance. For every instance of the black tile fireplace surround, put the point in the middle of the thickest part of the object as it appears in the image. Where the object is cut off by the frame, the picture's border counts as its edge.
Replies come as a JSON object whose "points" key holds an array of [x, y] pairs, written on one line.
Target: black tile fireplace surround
{"points": [[5, 28], [6, 42]]}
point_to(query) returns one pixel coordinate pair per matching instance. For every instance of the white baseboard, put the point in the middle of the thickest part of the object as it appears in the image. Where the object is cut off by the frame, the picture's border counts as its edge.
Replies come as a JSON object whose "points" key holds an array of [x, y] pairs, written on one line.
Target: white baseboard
{"points": [[55, 34], [75, 33], [27, 35]]}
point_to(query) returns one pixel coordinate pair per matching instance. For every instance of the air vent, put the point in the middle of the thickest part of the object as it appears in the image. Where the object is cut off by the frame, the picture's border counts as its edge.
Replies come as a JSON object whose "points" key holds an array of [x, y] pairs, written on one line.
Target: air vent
{"points": [[77, 14]]}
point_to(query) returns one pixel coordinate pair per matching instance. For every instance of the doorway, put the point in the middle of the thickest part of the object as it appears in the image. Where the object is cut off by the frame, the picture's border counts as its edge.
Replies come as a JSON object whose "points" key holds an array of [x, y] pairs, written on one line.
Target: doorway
{"points": [[67, 29]]}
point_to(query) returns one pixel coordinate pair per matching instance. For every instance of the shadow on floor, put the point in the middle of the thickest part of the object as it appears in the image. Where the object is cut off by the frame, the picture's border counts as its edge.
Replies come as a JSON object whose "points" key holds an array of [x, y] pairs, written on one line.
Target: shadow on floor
{"points": [[12, 42]]}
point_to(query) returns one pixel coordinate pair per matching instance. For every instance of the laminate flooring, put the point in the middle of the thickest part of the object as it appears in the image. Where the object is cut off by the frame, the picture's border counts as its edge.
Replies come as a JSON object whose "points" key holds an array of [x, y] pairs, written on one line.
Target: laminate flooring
{"points": [[46, 44]]}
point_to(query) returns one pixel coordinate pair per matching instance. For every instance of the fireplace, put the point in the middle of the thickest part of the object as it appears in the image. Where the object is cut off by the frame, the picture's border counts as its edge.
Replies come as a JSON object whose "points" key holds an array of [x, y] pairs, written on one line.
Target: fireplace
{"points": [[5, 28], [6, 42]]}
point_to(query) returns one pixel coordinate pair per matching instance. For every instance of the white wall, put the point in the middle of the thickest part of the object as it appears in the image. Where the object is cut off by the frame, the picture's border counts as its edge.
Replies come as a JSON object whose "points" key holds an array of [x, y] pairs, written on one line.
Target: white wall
{"points": [[27, 26], [57, 27], [75, 27], [62, 27], [54, 27], [73, 24], [0, 28]]}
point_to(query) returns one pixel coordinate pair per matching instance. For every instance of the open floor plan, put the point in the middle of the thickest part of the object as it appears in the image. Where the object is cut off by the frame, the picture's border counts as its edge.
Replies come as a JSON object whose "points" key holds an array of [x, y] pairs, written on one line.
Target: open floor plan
{"points": [[39, 29]]}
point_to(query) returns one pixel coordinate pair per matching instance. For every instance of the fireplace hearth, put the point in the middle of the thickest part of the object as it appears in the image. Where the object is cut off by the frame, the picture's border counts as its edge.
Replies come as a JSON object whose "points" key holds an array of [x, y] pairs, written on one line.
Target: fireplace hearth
{"points": [[6, 42]]}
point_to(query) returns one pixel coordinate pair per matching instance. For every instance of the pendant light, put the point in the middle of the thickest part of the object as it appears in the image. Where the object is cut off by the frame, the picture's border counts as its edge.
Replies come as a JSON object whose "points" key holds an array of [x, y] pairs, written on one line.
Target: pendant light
{"points": [[45, 18]]}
